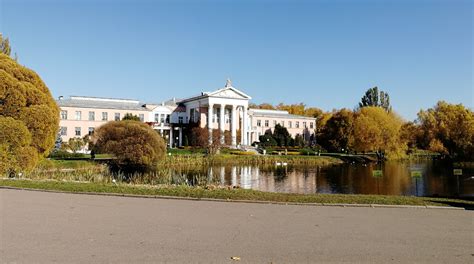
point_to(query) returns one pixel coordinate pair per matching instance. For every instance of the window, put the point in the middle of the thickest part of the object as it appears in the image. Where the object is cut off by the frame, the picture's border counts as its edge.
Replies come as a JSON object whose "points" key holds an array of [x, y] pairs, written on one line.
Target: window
{"points": [[162, 118], [180, 119], [227, 116], [311, 125], [63, 115], [142, 117], [117, 116], [290, 124], [105, 116], [297, 124], [63, 131], [91, 130], [304, 125], [259, 122], [274, 123], [91, 116], [283, 123], [77, 131], [266, 123], [168, 119], [157, 117], [218, 115], [215, 118], [78, 115], [191, 114]]}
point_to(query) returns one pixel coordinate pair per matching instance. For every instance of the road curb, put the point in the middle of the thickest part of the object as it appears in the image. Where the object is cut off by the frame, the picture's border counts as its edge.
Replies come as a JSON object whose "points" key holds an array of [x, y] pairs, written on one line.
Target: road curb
{"points": [[237, 201]]}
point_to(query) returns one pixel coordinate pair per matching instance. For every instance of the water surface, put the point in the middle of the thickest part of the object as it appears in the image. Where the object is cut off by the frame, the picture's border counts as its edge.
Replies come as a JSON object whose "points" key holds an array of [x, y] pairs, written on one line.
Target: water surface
{"points": [[394, 178]]}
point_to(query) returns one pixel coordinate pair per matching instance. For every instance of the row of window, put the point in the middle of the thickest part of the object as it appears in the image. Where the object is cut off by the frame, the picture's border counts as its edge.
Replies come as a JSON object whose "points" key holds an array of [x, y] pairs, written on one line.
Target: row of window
{"points": [[105, 116], [162, 118], [290, 124], [216, 116], [77, 131]]}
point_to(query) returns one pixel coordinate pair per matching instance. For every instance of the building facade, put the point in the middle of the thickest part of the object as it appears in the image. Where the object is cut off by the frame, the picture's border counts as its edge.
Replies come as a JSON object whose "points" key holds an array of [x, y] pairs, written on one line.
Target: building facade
{"points": [[225, 109]]}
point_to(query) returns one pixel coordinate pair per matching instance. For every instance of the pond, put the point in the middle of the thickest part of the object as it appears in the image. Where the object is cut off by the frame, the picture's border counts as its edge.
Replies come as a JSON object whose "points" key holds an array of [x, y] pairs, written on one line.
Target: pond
{"points": [[418, 178]]}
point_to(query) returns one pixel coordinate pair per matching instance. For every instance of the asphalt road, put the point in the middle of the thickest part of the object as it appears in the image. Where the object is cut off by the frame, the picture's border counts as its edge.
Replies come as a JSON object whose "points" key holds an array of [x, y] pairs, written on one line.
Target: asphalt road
{"points": [[39, 227]]}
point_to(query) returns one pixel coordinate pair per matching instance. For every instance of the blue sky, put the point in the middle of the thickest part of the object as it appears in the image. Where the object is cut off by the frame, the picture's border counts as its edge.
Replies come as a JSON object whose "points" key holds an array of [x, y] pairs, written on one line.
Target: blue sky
{"points": [[322, 53]]}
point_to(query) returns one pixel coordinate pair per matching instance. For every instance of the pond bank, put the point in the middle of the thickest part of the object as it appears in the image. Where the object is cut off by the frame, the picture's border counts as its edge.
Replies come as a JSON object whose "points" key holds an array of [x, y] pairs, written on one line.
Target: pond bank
{"points": [[231, 159], [230, 194]]}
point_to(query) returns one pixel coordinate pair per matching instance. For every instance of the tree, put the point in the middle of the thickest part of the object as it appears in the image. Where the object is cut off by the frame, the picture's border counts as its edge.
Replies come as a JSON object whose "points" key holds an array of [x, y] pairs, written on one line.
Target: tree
{"points": [[267, 139], [321, 122], [373, 97], [448, 129], [313, 112], [5, 46], [25, 98], [377, 130], [410, 133], [198, 136], [281, 135], [16, 152], [215, 146], [338, 131], [135, 145], [266, 106], [129, 116], [295, 109], [75, 144], [299, 141]]}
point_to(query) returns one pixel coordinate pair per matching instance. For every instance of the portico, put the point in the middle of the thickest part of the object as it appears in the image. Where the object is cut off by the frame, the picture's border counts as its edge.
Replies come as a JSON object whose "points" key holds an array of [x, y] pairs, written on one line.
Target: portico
{"points": [[225, 109]]}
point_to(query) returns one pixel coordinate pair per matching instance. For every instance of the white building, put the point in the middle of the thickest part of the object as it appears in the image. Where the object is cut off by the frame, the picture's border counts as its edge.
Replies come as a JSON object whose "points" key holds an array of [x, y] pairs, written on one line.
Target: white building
{"points": [[225, 109]]}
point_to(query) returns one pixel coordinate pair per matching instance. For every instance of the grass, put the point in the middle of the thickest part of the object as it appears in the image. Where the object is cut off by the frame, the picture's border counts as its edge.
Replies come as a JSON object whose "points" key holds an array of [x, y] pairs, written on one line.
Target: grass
{"points": [[232, 159], [230, 194], [171, 170], [464, 164]]}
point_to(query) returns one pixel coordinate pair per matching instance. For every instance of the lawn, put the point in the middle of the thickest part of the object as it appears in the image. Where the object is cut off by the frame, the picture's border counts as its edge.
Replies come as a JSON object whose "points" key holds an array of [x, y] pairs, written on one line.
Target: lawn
{"points": [[230, 194]]}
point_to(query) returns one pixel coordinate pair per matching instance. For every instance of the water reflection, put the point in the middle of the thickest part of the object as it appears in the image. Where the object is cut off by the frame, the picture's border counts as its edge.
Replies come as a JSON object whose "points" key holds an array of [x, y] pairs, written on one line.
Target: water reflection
{"points": [[395, 178]]}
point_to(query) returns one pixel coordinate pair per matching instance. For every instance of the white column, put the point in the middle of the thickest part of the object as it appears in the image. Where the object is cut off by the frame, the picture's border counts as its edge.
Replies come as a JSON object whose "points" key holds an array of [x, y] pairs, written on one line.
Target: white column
{"points": [[233, 125], [222, 174], [171, 137], [234, 176], [209, 175], [222, 123], [242, 127], [180, 139], [245, 124], [210, 113]]}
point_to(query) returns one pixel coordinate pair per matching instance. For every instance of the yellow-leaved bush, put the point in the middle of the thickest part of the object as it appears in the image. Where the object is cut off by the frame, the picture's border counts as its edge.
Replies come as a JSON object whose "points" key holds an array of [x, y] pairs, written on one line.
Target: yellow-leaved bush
{"points": [[378, 130], [29, 117], [135, 145]]}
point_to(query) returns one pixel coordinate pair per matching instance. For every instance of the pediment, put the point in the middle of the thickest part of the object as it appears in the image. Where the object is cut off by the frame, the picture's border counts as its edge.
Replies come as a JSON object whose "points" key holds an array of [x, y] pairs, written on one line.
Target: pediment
{"points": [[230, 92]]}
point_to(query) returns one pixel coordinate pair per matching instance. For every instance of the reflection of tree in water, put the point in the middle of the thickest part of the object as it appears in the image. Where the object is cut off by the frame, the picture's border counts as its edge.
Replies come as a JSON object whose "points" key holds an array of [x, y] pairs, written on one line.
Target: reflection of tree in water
{"points": [[197, 176], [333, 178], [280, 173], [346, 178]]}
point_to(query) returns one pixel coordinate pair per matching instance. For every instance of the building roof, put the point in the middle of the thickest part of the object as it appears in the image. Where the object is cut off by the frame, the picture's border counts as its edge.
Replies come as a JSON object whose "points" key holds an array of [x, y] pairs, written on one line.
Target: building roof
{"points": [[276, 114], [102, 103], [222, 92]]}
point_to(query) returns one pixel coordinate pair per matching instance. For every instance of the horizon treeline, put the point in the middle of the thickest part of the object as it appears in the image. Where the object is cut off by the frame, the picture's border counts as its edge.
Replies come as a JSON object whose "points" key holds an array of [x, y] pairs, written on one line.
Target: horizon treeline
{"points": [[374, 126]]}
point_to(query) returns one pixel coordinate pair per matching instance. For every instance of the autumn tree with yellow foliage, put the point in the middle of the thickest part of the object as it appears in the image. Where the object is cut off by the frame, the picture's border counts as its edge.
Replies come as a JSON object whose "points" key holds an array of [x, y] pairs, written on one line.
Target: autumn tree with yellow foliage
{"points": [[29, 117], [135, 145], [448, 129], [376, 130]]}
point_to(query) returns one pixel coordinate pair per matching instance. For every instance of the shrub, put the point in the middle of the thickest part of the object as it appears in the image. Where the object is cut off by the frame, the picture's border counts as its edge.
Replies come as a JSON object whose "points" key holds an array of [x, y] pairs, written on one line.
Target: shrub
{"points": [[63, 154], [26, 105], [136, 146]]}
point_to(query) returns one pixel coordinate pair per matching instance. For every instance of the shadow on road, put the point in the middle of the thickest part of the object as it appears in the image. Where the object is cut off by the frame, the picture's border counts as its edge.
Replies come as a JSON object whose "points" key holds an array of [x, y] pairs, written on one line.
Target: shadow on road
{"points": [[466, 205]]}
